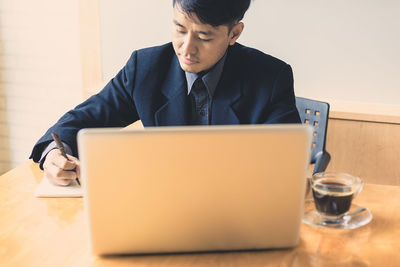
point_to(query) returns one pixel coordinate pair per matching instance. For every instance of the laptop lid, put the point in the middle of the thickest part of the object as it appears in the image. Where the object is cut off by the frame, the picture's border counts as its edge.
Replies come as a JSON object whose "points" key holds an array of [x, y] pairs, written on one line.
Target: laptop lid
{"points": [[204, 188]]}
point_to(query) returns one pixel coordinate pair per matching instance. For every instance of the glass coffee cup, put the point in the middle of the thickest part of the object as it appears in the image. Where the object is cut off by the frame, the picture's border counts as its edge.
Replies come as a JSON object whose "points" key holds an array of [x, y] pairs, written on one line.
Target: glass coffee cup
{"points": [[333, 194]]}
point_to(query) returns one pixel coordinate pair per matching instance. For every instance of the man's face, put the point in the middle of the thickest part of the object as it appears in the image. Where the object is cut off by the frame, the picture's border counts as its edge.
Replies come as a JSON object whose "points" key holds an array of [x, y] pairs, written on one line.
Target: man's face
{"points": [[198, 46]]}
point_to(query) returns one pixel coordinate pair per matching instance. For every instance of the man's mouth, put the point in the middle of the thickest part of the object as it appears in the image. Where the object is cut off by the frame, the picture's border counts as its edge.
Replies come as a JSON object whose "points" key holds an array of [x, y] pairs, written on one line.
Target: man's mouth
{"points": [[189, 61]]}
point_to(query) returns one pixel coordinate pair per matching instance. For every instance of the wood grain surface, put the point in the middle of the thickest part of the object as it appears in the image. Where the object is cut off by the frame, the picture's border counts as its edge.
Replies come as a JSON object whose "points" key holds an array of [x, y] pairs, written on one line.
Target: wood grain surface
{"points": [[370, 150]]}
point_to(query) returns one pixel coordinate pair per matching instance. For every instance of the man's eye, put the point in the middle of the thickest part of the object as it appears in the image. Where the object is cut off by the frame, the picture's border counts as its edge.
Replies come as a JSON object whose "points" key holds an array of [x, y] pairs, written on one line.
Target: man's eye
{"points": [[181, 32], [205, 40]]}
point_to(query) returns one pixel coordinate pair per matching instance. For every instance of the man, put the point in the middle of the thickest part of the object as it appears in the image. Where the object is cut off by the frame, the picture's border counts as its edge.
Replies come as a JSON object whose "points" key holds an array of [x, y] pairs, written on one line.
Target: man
{"points": [[203, 77]]}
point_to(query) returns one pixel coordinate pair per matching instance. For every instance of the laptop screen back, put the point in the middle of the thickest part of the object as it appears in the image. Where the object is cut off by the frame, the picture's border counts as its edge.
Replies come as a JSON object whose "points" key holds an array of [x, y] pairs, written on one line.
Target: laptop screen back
{"points": [[179, 189]]}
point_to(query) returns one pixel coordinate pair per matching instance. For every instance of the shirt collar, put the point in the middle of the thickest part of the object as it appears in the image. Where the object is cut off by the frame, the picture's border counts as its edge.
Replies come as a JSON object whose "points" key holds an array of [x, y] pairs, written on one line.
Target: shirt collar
{"points": [[210, 79]]}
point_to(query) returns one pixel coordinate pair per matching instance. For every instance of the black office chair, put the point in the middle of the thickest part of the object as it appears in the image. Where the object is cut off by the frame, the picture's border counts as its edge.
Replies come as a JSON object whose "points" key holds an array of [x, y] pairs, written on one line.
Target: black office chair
{"points": [[316, 113]]}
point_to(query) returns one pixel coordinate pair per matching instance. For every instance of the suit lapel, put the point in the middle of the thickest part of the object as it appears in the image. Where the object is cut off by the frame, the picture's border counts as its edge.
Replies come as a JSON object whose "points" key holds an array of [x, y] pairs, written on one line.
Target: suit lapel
{"points": [[174, 111], [228, 93]]}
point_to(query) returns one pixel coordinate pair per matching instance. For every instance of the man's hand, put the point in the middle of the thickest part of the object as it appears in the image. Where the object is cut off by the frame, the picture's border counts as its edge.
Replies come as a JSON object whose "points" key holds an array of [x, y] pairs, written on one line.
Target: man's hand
{"points": [[59, 170]]}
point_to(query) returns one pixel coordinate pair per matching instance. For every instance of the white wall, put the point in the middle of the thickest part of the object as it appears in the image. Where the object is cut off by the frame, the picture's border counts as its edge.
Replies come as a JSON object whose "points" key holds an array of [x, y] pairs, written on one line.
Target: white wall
{"points": [[126, 25], [40, 75], [341, 51]]}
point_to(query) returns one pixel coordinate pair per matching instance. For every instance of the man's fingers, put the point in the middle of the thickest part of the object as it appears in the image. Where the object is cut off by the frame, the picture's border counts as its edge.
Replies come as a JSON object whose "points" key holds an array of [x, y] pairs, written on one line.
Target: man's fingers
{"points": [[59, 170], [78, 171], [60, 161], [77, 165], [55, 181], [58, 176], [56, 172], [63, 163]]}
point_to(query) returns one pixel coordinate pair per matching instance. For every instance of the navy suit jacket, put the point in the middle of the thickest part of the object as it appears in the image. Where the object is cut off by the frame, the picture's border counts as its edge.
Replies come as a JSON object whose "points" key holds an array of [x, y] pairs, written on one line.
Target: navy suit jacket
{"points": [[254, 88]]}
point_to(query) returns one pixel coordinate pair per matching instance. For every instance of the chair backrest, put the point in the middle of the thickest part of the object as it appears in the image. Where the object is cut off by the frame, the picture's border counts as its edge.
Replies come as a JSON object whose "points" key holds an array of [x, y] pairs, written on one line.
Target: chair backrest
{"points": [[316, 113]]}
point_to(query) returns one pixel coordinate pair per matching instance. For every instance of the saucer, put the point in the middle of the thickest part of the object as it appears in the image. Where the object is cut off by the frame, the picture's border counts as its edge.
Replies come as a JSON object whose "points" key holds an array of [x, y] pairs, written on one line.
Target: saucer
{"points": [[312, 217]]}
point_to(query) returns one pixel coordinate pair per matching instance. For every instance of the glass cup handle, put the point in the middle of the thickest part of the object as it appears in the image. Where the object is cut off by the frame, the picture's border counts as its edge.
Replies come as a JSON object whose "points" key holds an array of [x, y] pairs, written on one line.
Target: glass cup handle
{"points": [[360, 187]]}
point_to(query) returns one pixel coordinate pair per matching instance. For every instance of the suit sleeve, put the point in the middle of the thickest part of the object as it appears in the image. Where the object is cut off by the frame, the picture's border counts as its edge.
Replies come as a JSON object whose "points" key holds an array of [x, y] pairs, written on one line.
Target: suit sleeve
{"points": [[112, 107], [282, 106]]}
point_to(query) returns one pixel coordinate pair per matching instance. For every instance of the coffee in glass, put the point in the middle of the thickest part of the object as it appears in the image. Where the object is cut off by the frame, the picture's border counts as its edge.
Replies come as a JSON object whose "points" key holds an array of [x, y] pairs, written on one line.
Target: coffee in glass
{"points": [[333, 194]]}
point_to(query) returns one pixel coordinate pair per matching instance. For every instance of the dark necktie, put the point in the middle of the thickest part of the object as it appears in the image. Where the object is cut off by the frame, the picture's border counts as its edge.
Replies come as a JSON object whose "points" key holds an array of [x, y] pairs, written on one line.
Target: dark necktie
{"points": [[200, 103]]}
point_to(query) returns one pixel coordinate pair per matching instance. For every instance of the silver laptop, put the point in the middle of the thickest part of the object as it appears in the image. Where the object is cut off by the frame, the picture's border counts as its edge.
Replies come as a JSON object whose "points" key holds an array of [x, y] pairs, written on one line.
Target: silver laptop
{"points": [[185, 189]]}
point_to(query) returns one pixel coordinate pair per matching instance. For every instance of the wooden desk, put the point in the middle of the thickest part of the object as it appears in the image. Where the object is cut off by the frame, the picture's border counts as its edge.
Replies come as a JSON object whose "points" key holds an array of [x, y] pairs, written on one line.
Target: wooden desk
{"points": [[52, 232]]}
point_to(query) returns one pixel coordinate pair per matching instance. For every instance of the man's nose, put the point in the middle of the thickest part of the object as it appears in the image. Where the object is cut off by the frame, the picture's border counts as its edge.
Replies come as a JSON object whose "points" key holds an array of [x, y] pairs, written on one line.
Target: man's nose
{"points": [[189, 46]]}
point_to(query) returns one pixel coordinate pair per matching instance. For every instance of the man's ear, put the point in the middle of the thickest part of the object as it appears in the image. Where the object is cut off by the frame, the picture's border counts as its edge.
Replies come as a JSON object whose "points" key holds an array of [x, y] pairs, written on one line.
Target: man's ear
{"points": [[236, 31]]}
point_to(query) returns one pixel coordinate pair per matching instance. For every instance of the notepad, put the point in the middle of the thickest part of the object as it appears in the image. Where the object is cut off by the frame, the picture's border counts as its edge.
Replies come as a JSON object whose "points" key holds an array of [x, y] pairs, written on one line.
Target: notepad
{"points": [[47, 189]]}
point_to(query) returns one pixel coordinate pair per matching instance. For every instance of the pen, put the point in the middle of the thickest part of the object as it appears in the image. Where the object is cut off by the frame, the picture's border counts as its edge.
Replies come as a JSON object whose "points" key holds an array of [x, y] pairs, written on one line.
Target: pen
{"points": [[60, 146]]}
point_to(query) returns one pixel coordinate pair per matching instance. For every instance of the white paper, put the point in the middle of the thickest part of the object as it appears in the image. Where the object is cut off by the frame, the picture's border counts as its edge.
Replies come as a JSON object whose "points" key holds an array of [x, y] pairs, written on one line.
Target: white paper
{"points": [[47, 189]]}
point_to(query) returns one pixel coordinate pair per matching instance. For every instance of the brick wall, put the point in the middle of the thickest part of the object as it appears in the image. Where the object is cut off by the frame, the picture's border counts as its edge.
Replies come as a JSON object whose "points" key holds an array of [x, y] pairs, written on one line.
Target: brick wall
{"points": [[40, 71]]}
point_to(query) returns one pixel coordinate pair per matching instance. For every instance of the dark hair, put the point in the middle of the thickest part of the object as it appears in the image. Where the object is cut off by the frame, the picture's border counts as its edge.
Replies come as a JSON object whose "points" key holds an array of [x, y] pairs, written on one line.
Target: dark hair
{"points": [[215, 12]]}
